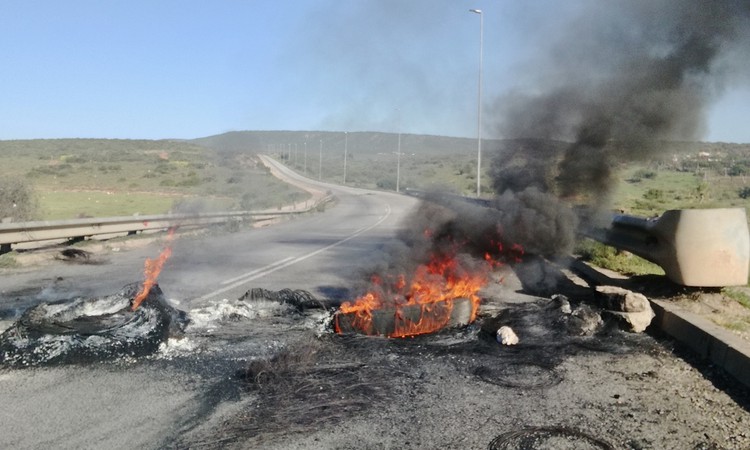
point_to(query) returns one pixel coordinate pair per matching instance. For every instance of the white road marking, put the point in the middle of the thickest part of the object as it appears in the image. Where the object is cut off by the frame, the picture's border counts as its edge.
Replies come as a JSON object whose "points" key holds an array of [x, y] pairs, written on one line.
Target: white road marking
{"points": [[253, 272], [286, 262]]}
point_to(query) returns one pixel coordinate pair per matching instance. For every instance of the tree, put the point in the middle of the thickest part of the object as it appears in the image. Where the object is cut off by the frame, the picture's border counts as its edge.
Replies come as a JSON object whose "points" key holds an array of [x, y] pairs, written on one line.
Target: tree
{"points": [[18, 201]]}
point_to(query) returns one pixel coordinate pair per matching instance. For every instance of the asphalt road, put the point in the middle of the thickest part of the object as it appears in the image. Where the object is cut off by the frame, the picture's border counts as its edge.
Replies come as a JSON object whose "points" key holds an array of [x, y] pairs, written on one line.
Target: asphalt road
{"points": [[144, 404], [456, 389], [316, 252]]}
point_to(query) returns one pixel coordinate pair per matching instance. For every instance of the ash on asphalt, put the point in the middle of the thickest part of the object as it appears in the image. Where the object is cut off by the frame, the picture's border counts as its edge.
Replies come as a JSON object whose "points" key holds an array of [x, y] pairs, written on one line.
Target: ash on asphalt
{"points": [[270, 373]]}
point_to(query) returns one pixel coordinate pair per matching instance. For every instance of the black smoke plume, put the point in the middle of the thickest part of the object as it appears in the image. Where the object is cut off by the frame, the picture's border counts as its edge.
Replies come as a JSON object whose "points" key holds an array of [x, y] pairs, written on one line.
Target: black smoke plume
{"points": [[619, 81], [615, 85]]}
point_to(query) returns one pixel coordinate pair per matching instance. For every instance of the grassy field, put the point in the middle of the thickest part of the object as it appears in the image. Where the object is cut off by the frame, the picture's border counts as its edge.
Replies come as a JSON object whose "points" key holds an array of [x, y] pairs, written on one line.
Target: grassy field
{"points": [[668, 189], [62, 204], [56, 205], [91, 177], [101, 177]]}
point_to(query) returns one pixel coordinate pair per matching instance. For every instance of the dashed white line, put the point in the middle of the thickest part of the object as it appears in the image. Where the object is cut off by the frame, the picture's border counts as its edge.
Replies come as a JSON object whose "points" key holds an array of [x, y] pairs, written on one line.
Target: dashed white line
{"points": [[256, 271], [286, 262]]}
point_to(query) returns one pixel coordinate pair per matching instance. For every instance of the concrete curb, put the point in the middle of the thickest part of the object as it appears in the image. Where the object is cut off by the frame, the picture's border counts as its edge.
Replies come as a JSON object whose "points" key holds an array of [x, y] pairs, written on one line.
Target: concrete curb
{"points": [[707, 339]]}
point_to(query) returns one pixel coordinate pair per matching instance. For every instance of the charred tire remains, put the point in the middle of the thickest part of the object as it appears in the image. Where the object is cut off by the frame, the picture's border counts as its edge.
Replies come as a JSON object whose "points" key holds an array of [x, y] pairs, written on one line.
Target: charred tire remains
{"points": [[519, 375], [75, 255], [298, 298], [559, 438], [90, 329]]}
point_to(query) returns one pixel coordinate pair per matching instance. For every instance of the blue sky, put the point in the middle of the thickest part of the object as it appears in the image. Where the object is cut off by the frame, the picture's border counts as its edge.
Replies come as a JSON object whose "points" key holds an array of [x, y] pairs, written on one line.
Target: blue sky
{"points": [[184, 69]]}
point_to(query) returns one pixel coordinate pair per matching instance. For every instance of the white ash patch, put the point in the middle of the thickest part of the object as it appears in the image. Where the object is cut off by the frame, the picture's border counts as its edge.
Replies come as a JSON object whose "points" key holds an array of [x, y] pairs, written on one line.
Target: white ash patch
{"points": [[218, 312], [320, 321], [174, 347]]}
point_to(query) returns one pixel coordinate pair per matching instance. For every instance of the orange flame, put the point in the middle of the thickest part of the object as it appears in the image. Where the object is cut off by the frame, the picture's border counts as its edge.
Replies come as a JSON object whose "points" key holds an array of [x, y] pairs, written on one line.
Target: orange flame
{"points": [[432, 289], [152, 269]]}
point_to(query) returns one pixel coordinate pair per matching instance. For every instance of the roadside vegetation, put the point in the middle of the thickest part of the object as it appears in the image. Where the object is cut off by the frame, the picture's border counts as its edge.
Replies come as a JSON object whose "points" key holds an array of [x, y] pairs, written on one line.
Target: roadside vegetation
{"points": [[701, 176], [72, 178], [611, 258], [8, 261]]}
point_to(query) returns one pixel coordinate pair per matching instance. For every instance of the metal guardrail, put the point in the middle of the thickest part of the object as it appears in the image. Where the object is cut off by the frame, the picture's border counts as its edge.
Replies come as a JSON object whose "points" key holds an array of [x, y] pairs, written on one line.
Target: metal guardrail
{"points": [[22, 232]]}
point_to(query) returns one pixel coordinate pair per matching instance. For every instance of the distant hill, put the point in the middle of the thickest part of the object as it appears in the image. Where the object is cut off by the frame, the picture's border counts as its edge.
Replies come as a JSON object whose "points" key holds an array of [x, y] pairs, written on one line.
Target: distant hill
{"points": [[373, 143], [358, 142], [104, 177]]}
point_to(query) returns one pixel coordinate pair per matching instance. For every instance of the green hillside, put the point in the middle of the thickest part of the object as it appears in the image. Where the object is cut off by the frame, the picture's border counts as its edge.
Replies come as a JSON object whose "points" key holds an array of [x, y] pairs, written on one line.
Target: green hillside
{"points": [[678, 175], [107, 177], [372, 161]]}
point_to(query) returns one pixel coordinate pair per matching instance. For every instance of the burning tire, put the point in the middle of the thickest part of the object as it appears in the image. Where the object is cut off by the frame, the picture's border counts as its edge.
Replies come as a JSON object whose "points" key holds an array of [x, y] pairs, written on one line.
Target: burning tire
{"points": [[83, 329]]}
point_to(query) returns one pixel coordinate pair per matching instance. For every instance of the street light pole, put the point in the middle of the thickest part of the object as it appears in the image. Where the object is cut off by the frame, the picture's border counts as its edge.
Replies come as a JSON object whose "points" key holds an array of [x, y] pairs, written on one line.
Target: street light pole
{"points": [[398, 150], [305, 170], [346, 136], [479, 101], [398, 163], [320, 162]]}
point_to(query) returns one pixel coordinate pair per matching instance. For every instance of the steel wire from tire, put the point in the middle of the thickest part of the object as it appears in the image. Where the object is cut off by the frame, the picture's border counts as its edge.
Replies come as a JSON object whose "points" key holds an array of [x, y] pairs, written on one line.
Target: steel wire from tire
{"points": [[530, 438], [503, 376]]}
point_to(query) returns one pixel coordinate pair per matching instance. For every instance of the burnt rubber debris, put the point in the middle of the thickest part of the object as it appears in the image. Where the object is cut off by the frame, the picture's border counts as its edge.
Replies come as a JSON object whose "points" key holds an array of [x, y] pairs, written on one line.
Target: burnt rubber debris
{"points": [[548, 437], [83, 330]]}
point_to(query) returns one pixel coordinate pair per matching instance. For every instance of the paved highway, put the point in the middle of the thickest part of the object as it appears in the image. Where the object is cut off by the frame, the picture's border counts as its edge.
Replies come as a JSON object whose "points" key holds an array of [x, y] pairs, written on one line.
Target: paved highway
{"points": [[318, 252], [145, 404]]}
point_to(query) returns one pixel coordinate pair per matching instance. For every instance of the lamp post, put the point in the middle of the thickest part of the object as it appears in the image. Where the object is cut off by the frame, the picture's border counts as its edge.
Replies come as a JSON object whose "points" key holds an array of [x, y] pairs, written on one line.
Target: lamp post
{"points": [[398, 150], [479, 101], [398, 163], [346, 137], [305, 170], [320, 162]]}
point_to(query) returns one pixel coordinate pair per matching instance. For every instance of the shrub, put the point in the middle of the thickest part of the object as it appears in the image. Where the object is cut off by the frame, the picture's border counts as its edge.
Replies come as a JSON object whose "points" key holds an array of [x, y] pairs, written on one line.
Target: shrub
{"points": [[249, 201], [189, 182], [17, 200], [386, 184], [643, 173], [737, 170], [654, 194], [8, 260]]}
